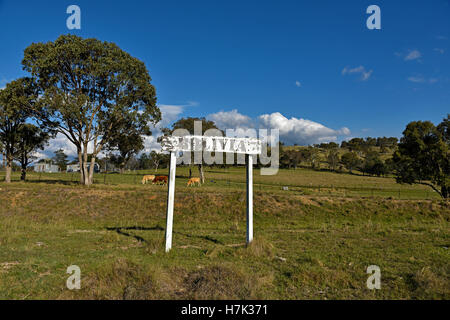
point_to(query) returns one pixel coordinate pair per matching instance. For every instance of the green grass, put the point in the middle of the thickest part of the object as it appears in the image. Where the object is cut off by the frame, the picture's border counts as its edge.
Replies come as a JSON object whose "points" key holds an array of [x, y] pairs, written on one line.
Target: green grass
{"points": [[308, 244]]}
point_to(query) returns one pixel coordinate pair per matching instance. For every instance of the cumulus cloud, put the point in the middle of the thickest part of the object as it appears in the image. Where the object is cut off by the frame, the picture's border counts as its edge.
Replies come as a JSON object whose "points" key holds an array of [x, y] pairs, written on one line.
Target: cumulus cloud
{"points": [[298, 84], [293, 130], [169, 113], [365, 74], [439, 50], [413, 55], [230, 119], [300, 131]]}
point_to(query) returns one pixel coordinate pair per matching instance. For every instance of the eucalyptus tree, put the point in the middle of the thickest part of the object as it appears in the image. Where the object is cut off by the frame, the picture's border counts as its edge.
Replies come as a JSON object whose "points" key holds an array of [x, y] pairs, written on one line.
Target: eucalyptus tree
{"points": [[15, 102], [423, 156], [88, 87], [30, 139]]}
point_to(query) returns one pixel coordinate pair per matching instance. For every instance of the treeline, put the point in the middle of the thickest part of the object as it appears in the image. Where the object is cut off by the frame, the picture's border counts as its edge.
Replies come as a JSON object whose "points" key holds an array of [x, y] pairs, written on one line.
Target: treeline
{"points": [[422, 156], [364, 155]]}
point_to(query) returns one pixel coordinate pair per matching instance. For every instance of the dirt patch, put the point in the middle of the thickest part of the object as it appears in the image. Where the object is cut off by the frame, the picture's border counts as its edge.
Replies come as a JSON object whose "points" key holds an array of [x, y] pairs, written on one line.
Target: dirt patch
{"points": [[217, 282], [16, 197]]}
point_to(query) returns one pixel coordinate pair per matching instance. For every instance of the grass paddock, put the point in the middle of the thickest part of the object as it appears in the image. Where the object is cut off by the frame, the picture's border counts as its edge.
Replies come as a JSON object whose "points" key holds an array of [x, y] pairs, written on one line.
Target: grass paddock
{"points": [[314, 241]]}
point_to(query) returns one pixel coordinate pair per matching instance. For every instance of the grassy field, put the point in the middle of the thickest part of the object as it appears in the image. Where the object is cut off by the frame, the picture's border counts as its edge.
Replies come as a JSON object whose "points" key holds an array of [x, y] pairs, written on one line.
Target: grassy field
{"points": [[313, 241]]}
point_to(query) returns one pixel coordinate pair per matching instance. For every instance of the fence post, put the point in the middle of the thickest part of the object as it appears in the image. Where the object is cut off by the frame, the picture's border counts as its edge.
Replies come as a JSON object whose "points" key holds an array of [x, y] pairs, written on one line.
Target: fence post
{"points": [[170, 200], [249, 199]]}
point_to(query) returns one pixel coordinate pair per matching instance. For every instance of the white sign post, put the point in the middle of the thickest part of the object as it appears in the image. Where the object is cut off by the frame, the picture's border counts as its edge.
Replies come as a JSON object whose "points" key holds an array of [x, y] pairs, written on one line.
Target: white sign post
{"points": [[174, 144]]}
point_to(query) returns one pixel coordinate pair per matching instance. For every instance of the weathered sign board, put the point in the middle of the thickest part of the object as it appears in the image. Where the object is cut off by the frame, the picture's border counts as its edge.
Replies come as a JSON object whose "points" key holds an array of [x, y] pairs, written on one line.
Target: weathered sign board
{"points": [[175, 144], [212, 144]]}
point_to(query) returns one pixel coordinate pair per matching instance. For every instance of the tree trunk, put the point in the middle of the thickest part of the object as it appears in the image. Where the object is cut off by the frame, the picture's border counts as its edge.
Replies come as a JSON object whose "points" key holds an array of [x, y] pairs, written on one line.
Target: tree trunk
{"points": [[202, 175], [84, 169], [23, 164], [80, 164], [23, 175], [445, 192], [91, 170], [8, 170]]}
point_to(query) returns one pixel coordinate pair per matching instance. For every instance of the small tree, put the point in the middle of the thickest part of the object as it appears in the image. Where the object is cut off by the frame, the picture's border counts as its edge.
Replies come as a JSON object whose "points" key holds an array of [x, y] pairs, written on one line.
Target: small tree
{"points": [[15, 99], [350, 160], [30, 139], [333, 159], [423, 156], [188, 124], [145, 161], [60, 159], [127, 142]]}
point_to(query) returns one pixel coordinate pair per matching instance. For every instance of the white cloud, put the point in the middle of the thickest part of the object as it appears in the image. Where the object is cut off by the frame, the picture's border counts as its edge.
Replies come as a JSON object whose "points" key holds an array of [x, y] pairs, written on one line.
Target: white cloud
{"points": [[230, 120], [413, 55], [298, 84], [416, 79], [293, 130], [169, 113], [421, 79], [365, 74], [439, 50], [300, 131]]}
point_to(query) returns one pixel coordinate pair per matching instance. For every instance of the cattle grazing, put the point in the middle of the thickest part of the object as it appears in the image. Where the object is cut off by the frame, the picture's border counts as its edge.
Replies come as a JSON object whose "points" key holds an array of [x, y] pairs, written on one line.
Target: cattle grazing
{"points": [[148, 178], [160, 180], [194, 181]]}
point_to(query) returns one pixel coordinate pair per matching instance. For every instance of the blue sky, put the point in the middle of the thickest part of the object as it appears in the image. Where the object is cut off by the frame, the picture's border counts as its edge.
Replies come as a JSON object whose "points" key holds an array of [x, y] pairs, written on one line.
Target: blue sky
{"points": [[236, 61]]}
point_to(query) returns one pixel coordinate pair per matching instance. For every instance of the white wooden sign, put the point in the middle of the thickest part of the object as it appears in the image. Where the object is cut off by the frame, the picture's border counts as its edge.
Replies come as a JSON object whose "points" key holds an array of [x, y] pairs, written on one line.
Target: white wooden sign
{"points": [[174, 144], [211, 144]]}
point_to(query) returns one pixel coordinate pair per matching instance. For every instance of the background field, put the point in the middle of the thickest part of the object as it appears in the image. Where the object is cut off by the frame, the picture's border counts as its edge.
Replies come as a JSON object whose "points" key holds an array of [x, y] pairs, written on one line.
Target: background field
{"points": [[313, 241]]}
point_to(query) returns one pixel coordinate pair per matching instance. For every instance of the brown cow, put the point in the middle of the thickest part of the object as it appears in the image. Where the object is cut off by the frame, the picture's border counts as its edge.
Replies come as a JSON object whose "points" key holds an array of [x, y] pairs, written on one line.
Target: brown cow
{"points": [[148, 178], [193, 181], [160, 180]]}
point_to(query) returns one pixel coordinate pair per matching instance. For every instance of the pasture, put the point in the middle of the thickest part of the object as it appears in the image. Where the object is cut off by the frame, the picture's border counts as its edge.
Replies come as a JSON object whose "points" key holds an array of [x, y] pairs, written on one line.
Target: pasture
{"points": [[314, 240]]}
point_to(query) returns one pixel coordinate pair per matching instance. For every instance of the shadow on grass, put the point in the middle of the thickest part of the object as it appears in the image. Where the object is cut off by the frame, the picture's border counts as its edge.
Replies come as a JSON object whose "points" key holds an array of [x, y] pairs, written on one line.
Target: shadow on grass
{"points": [[63, 182], [122, 231]]}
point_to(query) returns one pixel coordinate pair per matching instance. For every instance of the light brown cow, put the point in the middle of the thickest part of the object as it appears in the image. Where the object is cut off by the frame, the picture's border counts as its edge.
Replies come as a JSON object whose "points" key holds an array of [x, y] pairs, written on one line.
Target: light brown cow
{"points": [[160, 180], [194, 181], [148, 178]]}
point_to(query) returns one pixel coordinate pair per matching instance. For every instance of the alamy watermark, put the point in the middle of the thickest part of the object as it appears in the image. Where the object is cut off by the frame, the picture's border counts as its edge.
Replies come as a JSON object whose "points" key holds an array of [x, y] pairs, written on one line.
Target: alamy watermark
{"points": [[74, 20], [374, 280], [74, 281], [374, 21]]}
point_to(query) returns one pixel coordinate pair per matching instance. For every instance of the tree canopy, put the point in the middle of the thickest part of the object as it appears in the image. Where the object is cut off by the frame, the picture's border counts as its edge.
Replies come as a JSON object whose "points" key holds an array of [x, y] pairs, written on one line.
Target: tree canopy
{"points": [[423, 156], [15, 102], [88, 88]]}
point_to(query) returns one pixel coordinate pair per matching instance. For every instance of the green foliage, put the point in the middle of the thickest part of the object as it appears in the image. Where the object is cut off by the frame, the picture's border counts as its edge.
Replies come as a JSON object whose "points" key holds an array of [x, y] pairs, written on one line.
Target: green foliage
{"points": [[350, 160], [333, 158], [89, 88], [30, 138], [16, 99], [423, 155], [60, 159], [127, 141]]}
